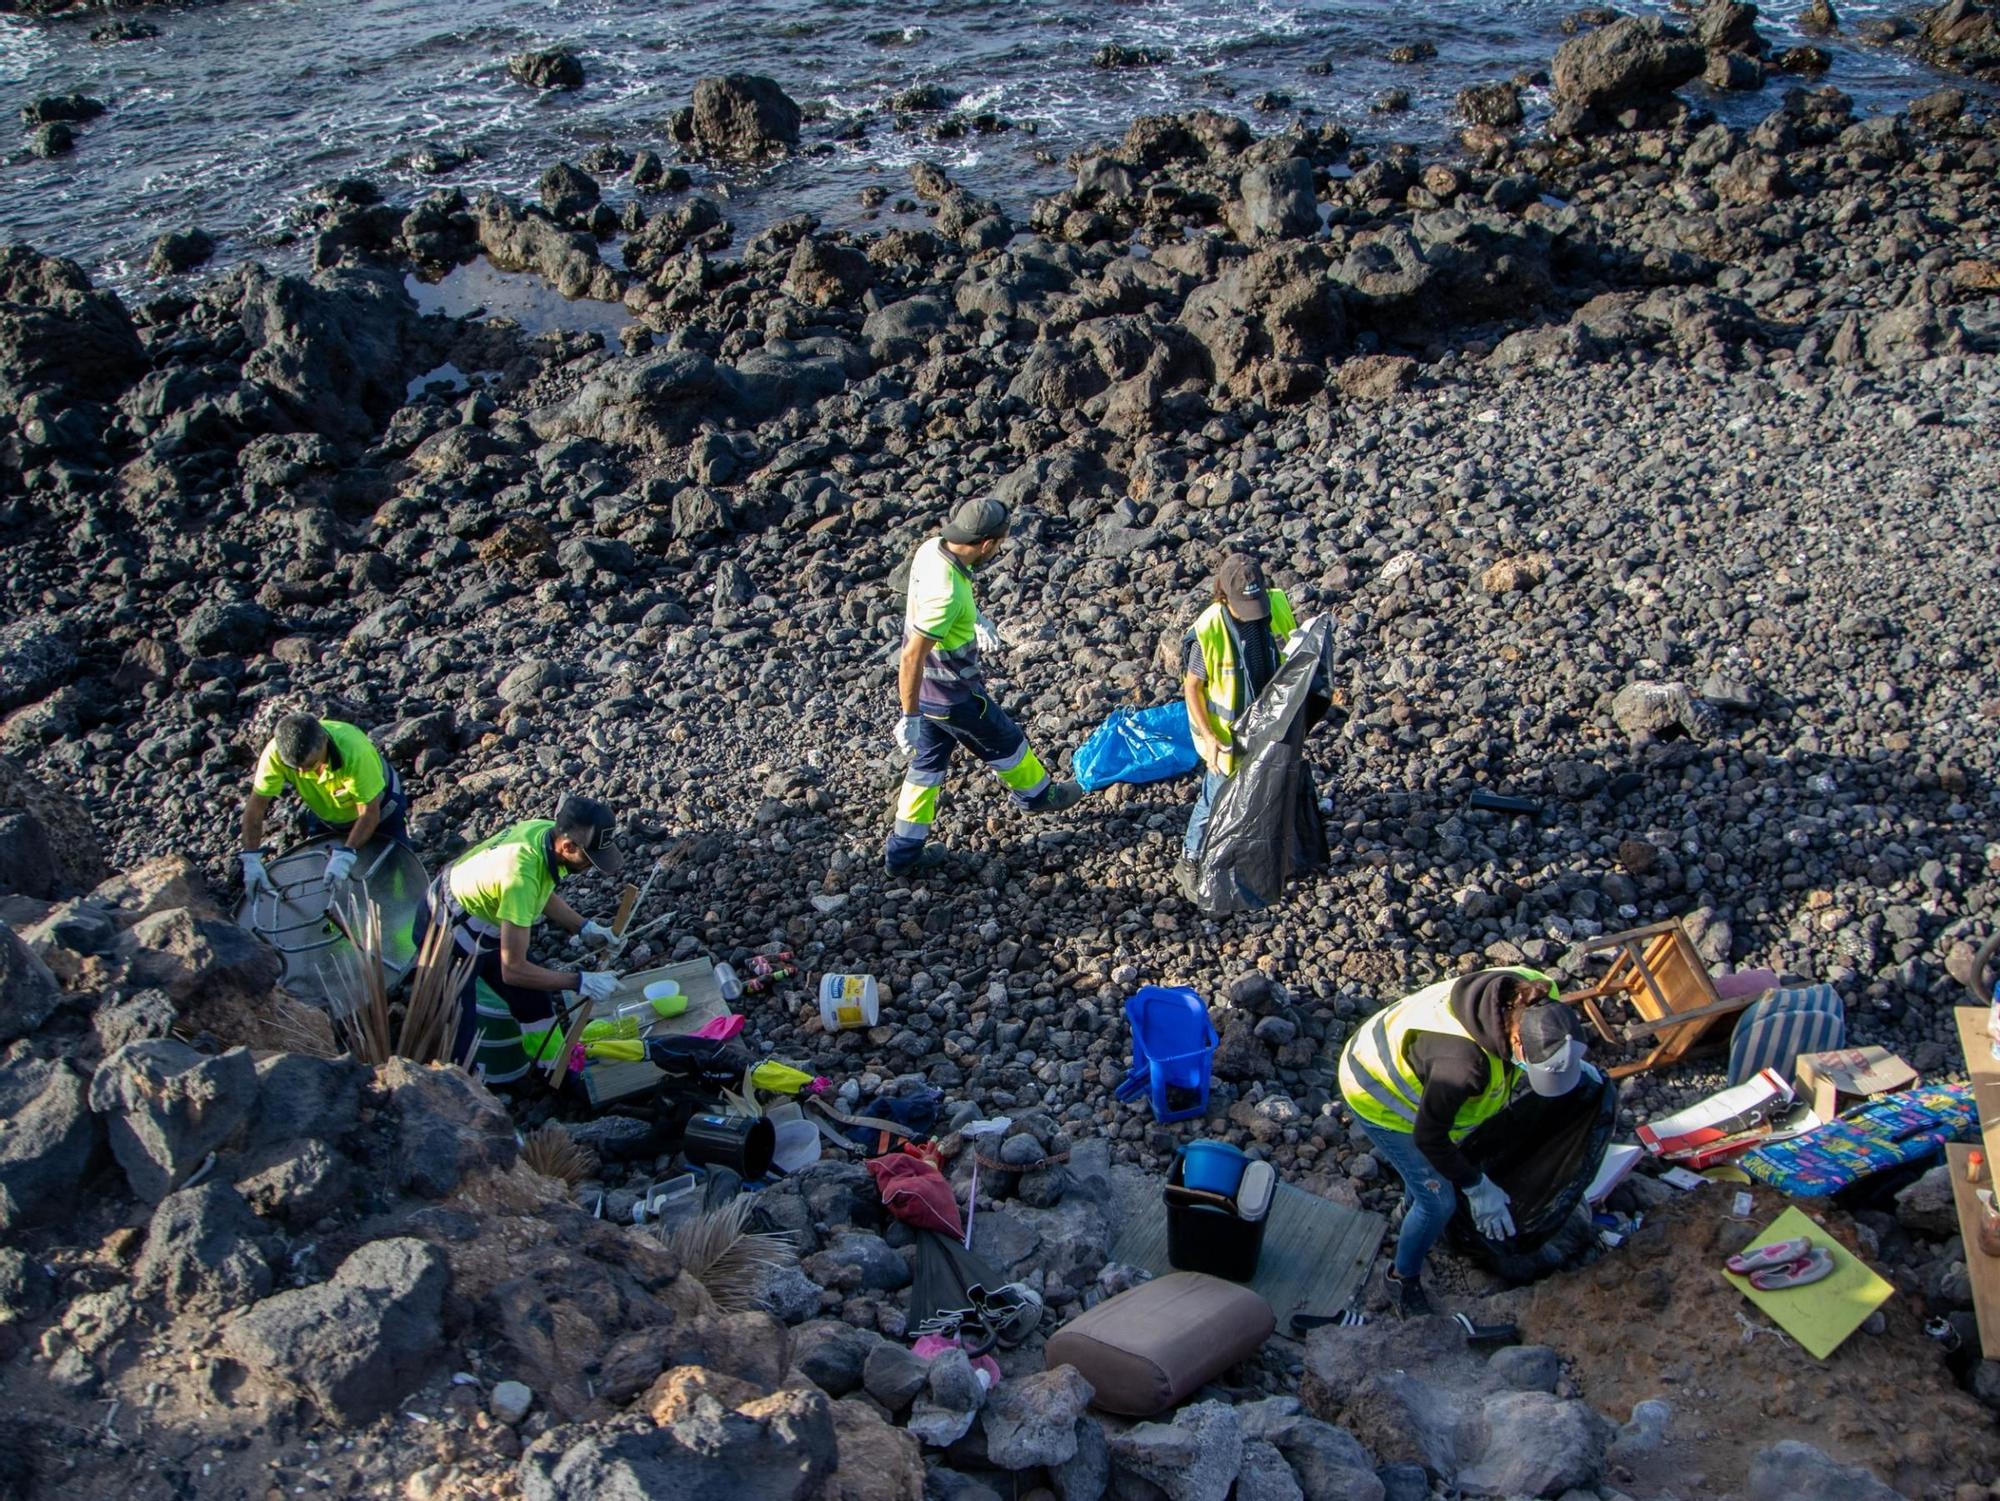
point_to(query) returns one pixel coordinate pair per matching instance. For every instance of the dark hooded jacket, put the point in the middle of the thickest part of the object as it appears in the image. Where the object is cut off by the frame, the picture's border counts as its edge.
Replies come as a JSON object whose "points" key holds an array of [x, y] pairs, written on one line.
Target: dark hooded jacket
{"points": [[1454, 1070]]}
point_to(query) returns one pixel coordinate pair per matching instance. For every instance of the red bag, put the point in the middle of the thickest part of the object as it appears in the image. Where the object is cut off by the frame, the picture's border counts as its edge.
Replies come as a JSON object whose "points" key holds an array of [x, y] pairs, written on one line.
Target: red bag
{"points": [[916, 1193]]}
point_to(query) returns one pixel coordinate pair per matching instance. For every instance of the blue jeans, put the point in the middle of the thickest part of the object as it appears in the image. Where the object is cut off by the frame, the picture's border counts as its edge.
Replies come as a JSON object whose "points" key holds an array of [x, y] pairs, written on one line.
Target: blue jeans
{"points": [[1211, 784], [1428, 1196]]}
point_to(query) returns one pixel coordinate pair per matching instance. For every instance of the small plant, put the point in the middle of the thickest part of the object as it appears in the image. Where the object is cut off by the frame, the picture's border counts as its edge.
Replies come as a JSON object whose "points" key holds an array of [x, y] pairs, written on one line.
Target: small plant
{"points": [[728, 1260], [554, 1153]]}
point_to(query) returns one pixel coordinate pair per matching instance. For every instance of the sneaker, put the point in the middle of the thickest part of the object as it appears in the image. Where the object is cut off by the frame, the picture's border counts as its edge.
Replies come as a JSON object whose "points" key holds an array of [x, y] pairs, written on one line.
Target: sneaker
{"points": [[1059, 798], [930, 860], [1406, 1298]]}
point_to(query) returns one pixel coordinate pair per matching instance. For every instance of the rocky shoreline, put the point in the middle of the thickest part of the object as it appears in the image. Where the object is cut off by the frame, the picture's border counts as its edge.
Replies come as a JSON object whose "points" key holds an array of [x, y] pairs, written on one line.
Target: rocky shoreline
{"points": [[1642, 400]]}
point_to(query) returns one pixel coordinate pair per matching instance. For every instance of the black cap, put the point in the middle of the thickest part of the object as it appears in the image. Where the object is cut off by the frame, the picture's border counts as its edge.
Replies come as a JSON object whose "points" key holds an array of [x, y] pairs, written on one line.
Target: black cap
{"points": [[976, 521], [1552, 1047], [590, 824], [1241, 579]]}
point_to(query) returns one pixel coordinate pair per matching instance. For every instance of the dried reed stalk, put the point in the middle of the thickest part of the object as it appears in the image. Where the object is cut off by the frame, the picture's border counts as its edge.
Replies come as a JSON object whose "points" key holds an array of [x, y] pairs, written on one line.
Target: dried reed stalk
{"points": [[437, 981], [359, 1000], [554, 1153], [728, 1260]]}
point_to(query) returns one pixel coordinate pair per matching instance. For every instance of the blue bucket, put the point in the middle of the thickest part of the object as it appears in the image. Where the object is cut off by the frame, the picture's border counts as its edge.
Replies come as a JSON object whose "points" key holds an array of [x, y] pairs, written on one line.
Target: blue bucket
{"points": [[1213, 1167]]}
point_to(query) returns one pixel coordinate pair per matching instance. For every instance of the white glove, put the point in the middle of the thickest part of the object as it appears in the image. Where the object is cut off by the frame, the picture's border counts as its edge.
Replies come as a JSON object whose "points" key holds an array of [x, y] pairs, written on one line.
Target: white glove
{"points": [[255, 877], [987, 639], [596, 984], [339, 865], [1488, 1202], [908, 728], [596, 932]]}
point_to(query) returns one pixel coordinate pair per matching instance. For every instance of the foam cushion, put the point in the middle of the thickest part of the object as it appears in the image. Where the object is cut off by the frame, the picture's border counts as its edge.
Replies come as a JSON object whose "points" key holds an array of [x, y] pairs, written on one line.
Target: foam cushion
{"points": [[1155, 1345]]}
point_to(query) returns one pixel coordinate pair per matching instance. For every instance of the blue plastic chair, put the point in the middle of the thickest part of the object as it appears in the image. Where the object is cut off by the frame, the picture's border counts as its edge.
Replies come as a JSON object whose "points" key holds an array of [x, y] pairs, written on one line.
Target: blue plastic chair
{"points": [[1173, 1045]]}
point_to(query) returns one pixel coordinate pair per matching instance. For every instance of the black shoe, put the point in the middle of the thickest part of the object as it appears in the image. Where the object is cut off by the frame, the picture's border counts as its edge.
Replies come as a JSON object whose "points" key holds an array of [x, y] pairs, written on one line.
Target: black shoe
{"points": [[930, 860], [1406, 1298], [1186, 874], [1059, 798]]}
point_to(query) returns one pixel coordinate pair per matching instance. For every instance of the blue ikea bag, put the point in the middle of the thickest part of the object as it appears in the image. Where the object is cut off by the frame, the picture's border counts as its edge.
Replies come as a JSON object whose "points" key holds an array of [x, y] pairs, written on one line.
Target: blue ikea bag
{"points": [[1137, 745]]}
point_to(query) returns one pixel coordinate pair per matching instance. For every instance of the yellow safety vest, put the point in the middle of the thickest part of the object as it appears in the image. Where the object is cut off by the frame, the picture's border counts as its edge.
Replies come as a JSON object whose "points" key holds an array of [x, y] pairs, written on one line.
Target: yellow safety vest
{"points": [[1228, 683], [1381, 1087]]}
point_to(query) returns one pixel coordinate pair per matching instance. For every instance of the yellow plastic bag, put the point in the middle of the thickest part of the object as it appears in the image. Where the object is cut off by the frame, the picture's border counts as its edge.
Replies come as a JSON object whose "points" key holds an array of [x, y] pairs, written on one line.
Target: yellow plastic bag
{"points": [[779, 1078], [616, 1050]]}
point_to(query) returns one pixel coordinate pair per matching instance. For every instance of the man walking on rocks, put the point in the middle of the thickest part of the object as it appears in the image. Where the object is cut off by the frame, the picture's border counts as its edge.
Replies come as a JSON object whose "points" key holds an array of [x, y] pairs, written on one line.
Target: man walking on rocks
{"points": [[942, 695], [347, 786], [494, 894], [1233, 650]]}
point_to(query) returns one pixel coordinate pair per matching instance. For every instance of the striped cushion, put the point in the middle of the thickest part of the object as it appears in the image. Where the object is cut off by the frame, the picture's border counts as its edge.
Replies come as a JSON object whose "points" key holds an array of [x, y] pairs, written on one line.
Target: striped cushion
{"points": [[1773, 1032]]}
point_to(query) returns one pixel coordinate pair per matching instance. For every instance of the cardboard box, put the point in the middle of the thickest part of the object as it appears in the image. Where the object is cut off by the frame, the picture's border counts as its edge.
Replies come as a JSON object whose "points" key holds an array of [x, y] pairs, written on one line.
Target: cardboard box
{"points": [[1754, 1103], [1833, 1081]]}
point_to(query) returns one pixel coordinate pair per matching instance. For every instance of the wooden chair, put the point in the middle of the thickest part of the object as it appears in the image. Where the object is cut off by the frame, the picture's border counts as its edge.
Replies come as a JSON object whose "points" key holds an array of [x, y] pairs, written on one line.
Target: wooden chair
{"points": [[1657, 972]]}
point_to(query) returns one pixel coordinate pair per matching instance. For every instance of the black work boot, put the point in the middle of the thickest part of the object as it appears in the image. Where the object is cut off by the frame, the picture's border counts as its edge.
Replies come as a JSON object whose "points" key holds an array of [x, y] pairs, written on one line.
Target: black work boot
{"points": [[931, 860], [1186, 874], [1059, 797], [1406, 1297]]}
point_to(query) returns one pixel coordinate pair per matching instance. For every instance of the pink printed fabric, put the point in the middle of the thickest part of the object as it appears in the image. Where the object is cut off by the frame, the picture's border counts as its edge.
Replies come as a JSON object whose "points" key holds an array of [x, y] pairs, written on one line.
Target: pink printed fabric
{"points": [[933, 1345]]}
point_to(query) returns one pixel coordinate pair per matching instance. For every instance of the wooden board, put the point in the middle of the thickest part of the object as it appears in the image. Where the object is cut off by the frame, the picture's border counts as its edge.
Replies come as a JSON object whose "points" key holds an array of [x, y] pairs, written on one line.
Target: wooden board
{"points": [[606, 1083], [1982, 1271], [1316, 1253], [1981, 1067]]}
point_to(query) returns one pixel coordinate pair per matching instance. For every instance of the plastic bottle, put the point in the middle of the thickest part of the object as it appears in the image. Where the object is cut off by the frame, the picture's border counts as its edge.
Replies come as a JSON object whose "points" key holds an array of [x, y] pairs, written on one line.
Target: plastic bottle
{"points": [[726, 981], [1975, 1166]]}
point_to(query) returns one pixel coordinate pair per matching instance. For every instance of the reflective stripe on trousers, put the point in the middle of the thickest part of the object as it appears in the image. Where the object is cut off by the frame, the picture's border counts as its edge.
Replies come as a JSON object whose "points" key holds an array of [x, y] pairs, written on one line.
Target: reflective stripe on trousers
{"points": [[977, 725]]}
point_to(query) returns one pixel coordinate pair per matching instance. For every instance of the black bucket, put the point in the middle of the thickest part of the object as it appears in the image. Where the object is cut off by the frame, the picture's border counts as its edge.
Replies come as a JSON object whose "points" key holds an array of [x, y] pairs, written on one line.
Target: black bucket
{"points": [[742, 1143]]}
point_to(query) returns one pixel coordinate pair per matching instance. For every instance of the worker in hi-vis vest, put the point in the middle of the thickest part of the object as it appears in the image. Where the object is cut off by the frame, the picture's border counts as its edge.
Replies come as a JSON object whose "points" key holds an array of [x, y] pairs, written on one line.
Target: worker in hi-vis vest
{"points": [[943, 697], [494, 894], [1420, 1074], [348, 788], [1233, 650]]}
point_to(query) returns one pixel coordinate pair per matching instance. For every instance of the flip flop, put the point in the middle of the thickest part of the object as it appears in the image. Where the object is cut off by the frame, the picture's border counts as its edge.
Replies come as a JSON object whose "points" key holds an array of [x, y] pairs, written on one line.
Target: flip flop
{"points": [[1801, 1273], [1777, 1253]]}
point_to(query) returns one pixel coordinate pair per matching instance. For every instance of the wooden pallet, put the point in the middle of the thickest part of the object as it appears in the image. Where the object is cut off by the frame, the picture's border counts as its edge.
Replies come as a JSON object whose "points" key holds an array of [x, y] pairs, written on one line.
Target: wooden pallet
{"points": [[1657, 972]]}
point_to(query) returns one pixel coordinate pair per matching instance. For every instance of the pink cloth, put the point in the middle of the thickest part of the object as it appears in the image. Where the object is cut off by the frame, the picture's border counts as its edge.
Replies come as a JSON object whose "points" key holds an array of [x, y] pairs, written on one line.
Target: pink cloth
{"points": [[721, 1029], [1744, 982]]}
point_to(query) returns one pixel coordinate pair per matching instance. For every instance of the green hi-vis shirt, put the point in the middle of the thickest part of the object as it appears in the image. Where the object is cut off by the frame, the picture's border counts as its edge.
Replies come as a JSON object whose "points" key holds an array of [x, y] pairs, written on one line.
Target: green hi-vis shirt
{"points": [[352, 778], [508, 878], [940, 606]]}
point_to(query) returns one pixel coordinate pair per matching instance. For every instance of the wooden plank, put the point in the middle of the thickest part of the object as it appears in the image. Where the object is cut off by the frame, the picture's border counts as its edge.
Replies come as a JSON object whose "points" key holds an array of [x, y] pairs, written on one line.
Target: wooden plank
{"points": [[1981, 1067], [1982, 1271]]}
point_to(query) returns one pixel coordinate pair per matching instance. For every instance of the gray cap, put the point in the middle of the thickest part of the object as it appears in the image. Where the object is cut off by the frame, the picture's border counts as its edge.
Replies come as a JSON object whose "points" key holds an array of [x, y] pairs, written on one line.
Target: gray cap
{"points": [[1552, 1048], [976, 521]]}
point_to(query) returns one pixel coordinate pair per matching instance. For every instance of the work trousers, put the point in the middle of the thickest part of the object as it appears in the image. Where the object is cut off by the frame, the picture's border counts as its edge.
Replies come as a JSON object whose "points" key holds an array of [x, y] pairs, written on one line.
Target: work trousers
{"points": [[981, 727], [1429, 1200], [504, 1027]]}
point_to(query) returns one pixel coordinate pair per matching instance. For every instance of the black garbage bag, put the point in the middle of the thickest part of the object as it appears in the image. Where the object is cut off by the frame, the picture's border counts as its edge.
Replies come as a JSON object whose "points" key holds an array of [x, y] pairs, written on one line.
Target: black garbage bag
{"points": [[1265, 826], [940, 1294], [1544, 1152]]}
